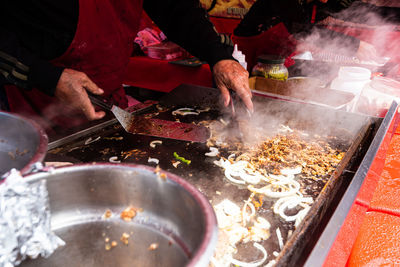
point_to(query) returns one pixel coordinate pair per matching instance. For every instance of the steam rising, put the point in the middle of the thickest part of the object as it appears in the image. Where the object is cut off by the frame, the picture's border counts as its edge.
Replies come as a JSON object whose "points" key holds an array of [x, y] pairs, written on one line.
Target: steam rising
{"points": [[356, 21]]}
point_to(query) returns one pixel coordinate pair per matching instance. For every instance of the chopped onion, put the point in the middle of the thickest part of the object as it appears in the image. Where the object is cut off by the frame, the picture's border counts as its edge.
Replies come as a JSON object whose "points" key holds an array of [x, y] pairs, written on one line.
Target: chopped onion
{"points": [[284, 128], [114, 159], [230, 208], [275, 253], [219, 163], [280, 240], [213, 152], [245, 216], [292, 171], [281, 179], [203, 110], [254, 263], [91, 140], [154, 160], [293, 187], [223, 122], [301, 215], [176, 163], [289, 203], [185, 111], [154, 143]]}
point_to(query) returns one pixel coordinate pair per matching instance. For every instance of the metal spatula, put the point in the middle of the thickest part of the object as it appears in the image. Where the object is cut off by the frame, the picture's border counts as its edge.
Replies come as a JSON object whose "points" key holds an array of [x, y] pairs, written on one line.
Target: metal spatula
{"points": [[155, 127]]}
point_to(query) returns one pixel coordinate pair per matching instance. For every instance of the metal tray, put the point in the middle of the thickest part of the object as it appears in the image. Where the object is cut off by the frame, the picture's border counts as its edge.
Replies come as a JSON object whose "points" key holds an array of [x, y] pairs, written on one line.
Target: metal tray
{"points": [[356, 131]]}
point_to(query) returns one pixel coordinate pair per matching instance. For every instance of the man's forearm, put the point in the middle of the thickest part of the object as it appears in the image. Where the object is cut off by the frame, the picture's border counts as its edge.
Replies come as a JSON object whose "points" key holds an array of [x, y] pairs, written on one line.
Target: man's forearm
{"points": [[185, 23]]}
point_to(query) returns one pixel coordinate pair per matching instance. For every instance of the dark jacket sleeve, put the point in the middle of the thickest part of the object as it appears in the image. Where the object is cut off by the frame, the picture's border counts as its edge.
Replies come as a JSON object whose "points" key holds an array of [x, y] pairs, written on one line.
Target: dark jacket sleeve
{"points": [[185, 22], [21, 68]]}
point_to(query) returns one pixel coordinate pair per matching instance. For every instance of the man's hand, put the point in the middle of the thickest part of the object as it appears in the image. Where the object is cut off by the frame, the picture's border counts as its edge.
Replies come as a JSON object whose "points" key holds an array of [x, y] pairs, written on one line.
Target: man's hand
{"points": [[367, 52], [229, 74], [71, 89]]}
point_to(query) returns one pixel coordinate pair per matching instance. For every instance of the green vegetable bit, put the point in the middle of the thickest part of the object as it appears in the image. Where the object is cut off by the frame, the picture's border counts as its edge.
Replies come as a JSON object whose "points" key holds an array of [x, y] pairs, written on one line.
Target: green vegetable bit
{"points": [[187, 161]]}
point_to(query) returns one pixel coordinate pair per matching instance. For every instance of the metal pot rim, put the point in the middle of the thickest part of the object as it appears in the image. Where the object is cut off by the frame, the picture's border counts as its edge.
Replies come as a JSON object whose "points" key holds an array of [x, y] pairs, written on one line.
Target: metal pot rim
{"points": [[209, 241], [41, 150]]}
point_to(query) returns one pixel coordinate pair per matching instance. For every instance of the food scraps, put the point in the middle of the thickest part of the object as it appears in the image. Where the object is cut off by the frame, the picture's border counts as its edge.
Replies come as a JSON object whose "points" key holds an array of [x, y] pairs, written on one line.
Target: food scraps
{"points": [[125, 238], [153, 246], [128, 214], [107, 214]]}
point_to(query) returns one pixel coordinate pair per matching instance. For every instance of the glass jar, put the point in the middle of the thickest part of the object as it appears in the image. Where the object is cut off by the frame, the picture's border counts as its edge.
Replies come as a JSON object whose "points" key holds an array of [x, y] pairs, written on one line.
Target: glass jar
{"points": [[270, 66]]}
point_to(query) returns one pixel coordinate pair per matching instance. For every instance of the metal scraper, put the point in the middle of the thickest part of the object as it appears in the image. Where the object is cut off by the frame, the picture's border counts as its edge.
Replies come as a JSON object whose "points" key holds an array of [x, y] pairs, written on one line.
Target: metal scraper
{"points": [[155, 127]]}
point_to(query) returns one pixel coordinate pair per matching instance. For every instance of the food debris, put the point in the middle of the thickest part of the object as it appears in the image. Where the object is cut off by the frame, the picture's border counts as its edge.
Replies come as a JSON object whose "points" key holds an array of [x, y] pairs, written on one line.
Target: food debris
{"points": [[91, 140], [175, 163], [213, 152], [55, 150], [153, 160], [109, 245], [134, 152], [105, 151], [185, 111], [128, 214], [153, 246], [21, 153], [154, 143], [159, 173], [125, 238], [12, 155], [107, 214], [114, 138], [114, 159]]}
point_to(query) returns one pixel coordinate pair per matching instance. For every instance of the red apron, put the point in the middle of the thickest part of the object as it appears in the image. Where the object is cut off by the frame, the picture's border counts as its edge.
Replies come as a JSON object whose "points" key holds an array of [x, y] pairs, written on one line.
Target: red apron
{"points": [[101, 48]]}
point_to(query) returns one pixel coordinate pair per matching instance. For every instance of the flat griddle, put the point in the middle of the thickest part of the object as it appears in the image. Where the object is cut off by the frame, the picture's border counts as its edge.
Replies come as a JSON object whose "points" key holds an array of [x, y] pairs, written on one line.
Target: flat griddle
{"points": [[352, 132]]}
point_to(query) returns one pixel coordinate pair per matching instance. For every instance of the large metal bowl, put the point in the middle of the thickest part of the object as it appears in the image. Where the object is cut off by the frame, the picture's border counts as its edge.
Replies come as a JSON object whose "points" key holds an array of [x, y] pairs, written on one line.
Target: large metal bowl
{"points": [[22, 143], [174, 215]]}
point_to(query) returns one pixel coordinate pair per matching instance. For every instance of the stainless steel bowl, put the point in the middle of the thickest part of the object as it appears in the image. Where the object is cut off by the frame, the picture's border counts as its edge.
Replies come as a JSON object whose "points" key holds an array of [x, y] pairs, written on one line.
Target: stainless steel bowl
{"points": [[22, 143], [174, 215]]}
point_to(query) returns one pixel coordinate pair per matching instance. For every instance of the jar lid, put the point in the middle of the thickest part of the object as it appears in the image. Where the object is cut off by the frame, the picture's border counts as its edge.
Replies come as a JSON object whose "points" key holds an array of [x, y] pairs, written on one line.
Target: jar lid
{"points": [[271, 59]]}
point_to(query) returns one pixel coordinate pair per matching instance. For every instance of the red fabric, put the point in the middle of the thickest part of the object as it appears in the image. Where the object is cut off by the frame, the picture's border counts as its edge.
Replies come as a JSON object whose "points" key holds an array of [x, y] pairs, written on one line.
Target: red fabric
{"points": [[101, 48], [225, 25], [162, 76], [274, 41]]}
